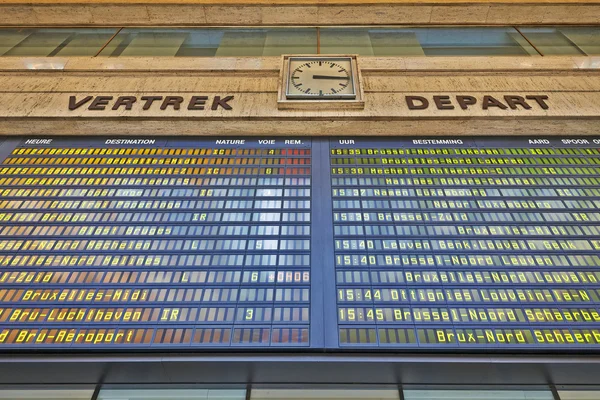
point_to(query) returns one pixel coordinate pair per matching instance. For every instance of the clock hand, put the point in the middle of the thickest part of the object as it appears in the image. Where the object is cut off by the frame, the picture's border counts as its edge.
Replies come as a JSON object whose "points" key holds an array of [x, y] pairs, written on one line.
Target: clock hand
{"points": [[329, 77]]}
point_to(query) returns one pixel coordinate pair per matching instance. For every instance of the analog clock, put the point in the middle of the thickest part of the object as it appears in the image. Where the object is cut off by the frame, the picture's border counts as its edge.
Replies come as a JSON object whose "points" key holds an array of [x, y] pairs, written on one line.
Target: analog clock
{"points": [[320, 78]]}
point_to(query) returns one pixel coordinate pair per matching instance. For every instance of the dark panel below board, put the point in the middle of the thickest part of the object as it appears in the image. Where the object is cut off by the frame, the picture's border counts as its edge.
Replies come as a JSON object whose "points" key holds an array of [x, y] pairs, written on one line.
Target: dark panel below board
{"points": [[297, 369]]}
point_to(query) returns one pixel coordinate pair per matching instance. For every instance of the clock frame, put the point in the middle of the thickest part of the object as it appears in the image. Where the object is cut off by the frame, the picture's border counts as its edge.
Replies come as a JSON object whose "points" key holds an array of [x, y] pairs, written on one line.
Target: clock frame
{"points": [[292, 98]]}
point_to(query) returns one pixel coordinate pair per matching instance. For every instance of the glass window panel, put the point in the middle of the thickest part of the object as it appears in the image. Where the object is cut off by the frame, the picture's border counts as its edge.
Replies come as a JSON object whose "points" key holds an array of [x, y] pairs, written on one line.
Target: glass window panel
{"points": [[53, 42], [346, 41], [85, 42], [478, 395], [156, 43], [325, 394], [290, 41], [177, 42], [586, 38], [171, 394], [212, 42], [243, 42], [9, 38], [374, 41], [579, 394], [395, 43], [463, 41], [47, 394], [472, 42], [565, 40], [39, 43]]}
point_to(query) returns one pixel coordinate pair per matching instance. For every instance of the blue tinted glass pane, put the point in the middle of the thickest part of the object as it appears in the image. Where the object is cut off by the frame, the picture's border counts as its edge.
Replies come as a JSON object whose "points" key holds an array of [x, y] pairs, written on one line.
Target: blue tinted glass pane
{"points": [[171, 394], [212, 42], [463, 41], [477, 395]]}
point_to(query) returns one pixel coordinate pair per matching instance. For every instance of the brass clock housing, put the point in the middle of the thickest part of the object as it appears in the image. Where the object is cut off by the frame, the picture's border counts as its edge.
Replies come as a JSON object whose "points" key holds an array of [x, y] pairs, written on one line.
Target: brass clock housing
{"points": [[320, 82]]}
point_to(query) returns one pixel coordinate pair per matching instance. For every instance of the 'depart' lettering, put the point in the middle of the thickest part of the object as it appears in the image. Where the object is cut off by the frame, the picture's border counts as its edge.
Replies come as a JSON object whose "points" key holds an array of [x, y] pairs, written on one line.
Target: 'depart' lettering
{"points": [[465, 102]]}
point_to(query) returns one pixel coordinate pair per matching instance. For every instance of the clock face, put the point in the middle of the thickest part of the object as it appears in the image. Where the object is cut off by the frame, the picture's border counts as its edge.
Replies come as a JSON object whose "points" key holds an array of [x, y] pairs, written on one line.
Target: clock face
{"points": [[320, 78]]}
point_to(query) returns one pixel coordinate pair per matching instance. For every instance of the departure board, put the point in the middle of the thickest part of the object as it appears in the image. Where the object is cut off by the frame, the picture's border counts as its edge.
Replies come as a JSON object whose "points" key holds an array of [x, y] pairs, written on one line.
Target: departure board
{"points": [[337, 244], [147, 243], [467, 243]]}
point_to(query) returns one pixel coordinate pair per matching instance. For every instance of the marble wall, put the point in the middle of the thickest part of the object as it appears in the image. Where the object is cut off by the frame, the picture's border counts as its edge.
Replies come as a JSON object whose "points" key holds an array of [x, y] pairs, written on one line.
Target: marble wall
{"points": [[35, 95], [300, 12]]}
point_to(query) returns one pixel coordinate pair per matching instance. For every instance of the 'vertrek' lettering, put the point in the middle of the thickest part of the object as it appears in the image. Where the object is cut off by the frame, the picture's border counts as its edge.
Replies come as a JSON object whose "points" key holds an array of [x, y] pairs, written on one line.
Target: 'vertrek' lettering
{"points": [[145, 103]]}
